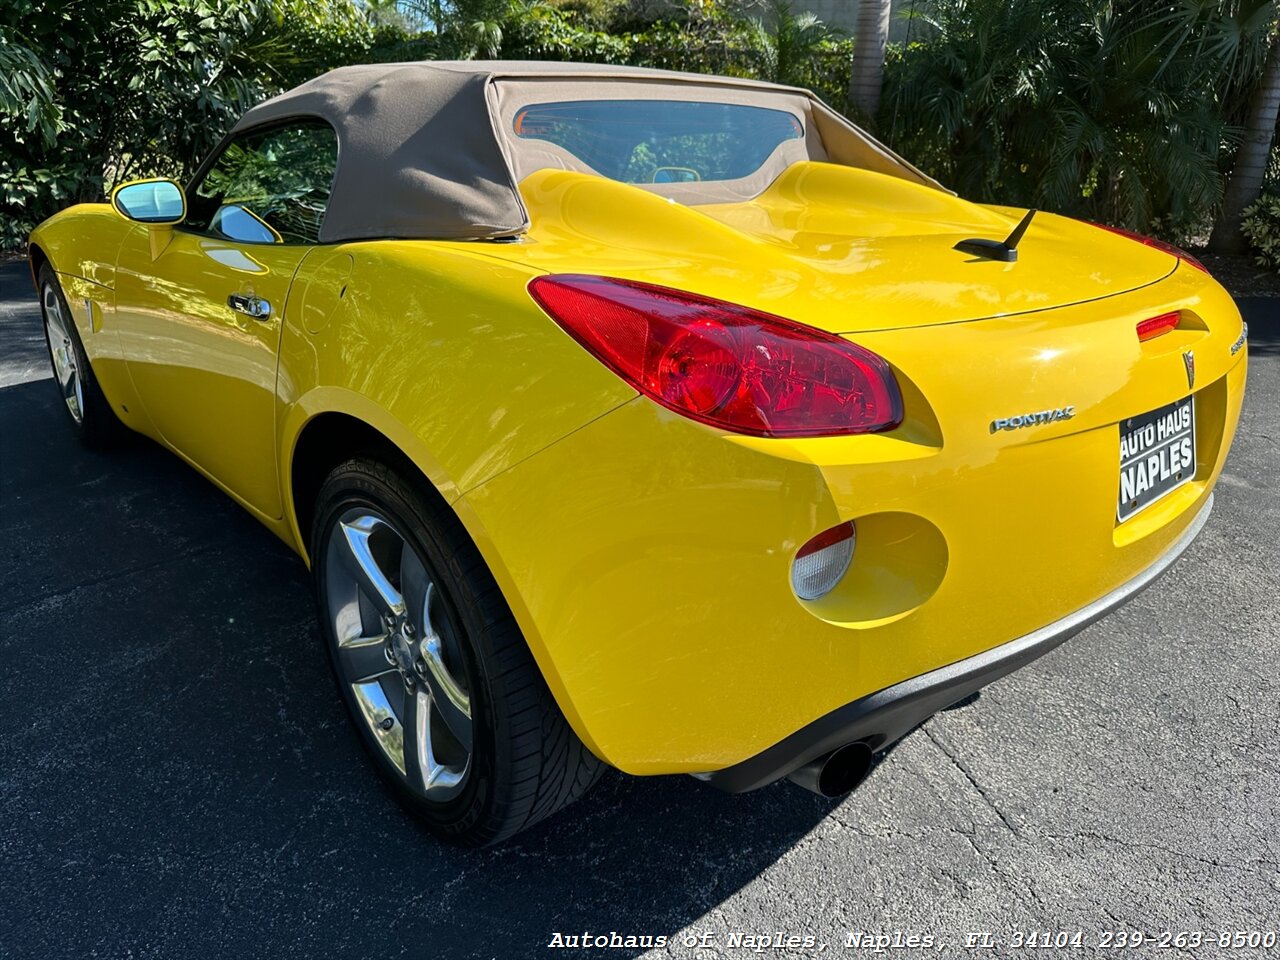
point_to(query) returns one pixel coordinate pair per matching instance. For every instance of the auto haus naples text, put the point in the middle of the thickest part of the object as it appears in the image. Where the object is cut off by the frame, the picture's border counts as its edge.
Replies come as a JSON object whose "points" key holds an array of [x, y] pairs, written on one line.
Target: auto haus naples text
{"points": [[1155, 452], [706, 940], [761, 942]]}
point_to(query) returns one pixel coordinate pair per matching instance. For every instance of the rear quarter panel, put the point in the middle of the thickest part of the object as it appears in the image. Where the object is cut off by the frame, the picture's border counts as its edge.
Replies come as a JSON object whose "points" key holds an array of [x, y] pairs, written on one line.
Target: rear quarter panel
{"points": [[440, 348]]}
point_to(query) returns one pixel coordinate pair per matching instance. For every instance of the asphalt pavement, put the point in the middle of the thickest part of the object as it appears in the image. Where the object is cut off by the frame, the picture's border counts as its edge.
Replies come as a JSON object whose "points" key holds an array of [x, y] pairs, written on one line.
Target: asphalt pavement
{"points": [[177, 777]]}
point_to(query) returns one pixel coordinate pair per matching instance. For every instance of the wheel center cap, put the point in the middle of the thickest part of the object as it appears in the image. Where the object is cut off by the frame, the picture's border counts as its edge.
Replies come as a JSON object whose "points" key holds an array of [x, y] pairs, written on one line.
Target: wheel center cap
{"points": [[402, 653]]}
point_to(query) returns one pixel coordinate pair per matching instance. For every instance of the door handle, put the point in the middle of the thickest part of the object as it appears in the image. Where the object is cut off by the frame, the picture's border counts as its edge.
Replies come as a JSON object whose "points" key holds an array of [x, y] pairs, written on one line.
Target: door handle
{"points": [[254, 307]]}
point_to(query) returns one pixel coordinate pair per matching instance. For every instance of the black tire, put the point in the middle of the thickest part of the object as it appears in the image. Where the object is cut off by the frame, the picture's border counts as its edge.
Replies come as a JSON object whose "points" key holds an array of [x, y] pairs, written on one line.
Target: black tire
{"points": [[97, 425], [525, 762]]}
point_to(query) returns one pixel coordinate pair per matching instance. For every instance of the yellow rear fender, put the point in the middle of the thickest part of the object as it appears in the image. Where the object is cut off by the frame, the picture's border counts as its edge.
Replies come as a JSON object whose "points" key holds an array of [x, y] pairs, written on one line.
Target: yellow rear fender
{"points": [[435, 353], [327, 426], [438, 348]]}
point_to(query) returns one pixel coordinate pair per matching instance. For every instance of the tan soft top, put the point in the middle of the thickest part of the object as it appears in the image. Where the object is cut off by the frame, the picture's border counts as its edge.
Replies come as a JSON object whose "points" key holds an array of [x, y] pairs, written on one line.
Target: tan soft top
{"points": [[422, 151]]}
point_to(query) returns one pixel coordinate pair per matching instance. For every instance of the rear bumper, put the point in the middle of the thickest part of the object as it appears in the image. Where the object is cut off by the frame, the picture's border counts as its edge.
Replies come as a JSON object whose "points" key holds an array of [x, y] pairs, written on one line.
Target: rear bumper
{"points": [[883, 717]]}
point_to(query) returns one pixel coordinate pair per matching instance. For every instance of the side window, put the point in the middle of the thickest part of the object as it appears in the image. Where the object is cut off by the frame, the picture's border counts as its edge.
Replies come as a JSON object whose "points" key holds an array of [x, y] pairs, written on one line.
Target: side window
{"points": [[268, 186]]}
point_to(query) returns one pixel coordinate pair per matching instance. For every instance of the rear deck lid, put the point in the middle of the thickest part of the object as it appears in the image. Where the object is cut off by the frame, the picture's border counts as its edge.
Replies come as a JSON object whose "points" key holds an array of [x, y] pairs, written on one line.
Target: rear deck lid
{"points": [[838, 248]]}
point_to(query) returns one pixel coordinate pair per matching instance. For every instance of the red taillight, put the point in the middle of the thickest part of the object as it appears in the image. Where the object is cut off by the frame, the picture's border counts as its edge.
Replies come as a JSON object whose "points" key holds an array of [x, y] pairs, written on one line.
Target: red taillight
{"points": [[1154, 327], [827, 538], [1168, 248], [723, 364]]}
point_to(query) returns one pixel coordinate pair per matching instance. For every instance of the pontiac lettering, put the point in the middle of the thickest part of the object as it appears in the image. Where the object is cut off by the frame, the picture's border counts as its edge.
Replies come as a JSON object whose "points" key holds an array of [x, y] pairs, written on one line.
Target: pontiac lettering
{"points": [[1033, 419]]}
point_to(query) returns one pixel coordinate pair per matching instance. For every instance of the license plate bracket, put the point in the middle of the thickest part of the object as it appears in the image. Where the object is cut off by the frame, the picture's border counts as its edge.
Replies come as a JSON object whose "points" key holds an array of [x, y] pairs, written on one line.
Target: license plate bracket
{"points": [[1157, 455]]}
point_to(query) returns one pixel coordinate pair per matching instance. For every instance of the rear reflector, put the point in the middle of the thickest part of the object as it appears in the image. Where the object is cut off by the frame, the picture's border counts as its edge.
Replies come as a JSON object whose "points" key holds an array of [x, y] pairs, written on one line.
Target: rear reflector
{"points": [[1156, 326], [822, 562]]}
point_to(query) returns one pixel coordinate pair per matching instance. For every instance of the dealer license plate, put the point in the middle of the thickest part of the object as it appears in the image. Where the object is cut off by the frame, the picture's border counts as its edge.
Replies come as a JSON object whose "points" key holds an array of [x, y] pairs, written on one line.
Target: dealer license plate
{"points": [[1157, 455]]}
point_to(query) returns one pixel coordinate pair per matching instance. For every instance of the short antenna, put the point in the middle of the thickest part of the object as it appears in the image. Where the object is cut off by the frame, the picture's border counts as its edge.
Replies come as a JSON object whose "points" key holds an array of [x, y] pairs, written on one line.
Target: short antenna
{"points": [[1005, 250]]}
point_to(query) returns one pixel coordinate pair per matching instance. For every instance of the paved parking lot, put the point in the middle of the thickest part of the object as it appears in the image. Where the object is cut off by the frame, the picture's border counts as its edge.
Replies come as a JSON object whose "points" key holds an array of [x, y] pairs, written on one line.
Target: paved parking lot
{"points": [[178, 778]]}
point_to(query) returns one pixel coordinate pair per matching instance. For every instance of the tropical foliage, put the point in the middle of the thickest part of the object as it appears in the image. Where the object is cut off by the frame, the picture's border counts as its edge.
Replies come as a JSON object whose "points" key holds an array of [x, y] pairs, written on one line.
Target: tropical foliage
{"points": [[1117, 111], [94, 93], [1261, 227], [1128, 111]]}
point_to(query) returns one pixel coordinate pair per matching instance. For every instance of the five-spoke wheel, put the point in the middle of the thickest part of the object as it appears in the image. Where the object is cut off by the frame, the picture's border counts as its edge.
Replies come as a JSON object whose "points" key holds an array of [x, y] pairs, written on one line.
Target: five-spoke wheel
{"points": [[89, 413], [430, 662], [399, 650], [62, 350]]}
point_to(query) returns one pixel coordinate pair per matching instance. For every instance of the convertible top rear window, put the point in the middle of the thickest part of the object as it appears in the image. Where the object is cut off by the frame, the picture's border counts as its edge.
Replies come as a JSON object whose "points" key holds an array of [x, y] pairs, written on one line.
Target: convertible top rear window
{"points": [[660, 141]]}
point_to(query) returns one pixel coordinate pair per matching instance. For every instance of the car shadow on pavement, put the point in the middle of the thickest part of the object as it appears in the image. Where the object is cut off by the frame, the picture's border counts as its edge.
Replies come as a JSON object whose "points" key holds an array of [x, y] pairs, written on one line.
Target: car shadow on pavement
{"points": [[181, 779]]}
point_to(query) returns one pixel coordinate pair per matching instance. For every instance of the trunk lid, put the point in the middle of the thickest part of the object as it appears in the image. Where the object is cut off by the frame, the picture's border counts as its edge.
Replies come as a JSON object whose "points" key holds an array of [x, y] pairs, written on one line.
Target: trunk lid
{"points": [[839, 248]]}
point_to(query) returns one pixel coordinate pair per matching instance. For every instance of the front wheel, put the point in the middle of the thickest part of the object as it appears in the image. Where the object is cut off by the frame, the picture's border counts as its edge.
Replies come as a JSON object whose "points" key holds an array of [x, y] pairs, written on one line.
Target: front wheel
{"points": [[431, 664], [91, 416]]}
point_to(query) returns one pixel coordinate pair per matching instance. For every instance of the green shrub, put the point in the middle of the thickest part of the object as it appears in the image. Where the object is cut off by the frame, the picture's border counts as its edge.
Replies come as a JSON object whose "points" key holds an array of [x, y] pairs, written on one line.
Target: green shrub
{"points": [[1095, 108], [548, 32], [1261, 227], [137, 88], [1124, 112]]}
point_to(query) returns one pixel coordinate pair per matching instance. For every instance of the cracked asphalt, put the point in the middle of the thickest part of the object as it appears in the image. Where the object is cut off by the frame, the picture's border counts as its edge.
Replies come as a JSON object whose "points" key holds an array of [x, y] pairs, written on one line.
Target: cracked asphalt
{"points": [[178, 778]]}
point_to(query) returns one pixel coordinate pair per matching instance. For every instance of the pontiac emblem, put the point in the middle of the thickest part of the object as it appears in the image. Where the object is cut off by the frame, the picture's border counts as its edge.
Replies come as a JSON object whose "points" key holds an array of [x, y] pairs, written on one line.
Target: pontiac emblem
{"points": [[1033, 419], [1189, 361]]}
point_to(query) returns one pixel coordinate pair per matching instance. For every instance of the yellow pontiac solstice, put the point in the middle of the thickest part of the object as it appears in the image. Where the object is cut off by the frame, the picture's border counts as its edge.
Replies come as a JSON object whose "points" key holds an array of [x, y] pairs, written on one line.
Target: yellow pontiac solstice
{"points": [[636, 418]]}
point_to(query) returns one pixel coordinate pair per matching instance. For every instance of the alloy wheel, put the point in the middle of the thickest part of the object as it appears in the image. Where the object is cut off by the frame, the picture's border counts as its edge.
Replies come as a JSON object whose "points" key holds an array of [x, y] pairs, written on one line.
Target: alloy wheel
{"points": [[399, 651], [63, 351]]}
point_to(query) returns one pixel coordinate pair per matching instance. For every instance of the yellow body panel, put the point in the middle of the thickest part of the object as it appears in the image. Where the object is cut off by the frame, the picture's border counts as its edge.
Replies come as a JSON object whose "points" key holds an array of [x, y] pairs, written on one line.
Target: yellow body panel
{"points": [[675, 629], [646, 556], [206, 374], [836, 248]]}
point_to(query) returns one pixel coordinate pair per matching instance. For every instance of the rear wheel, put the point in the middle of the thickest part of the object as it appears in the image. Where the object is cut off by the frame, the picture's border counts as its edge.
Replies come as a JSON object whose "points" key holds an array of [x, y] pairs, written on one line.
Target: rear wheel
{"points": [[91, 416], [431, 664]]}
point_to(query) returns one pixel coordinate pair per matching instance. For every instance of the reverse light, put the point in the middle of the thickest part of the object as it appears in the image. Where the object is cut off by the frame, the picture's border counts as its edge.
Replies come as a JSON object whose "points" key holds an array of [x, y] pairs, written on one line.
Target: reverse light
{"points": [[1168, 248], [1154, 327], [822, 562], [723, 364]]}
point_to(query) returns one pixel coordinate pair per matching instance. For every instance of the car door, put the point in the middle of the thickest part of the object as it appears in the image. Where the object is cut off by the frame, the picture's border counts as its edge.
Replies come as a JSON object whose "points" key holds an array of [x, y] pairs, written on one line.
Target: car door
{"points": [[199, 322]]}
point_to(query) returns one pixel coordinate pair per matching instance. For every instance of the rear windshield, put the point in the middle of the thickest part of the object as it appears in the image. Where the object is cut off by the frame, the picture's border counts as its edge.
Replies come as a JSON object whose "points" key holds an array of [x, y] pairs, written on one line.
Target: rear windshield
{"points": [[660, 141]]}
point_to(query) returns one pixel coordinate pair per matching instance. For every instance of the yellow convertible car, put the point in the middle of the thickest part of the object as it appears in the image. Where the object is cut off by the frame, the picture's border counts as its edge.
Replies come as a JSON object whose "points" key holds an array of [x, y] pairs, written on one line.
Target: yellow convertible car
{"points": [[643, 419]]}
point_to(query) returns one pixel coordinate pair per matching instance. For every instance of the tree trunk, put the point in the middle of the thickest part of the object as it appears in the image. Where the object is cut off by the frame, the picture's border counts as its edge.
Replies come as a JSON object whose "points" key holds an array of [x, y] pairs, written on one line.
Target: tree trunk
{"points": [[1250, 168], [871, 33]]}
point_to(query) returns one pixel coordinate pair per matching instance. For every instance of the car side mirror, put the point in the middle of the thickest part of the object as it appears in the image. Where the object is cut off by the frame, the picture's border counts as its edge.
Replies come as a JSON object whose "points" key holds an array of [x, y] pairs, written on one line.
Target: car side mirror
{"points": [[153, 202]]}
